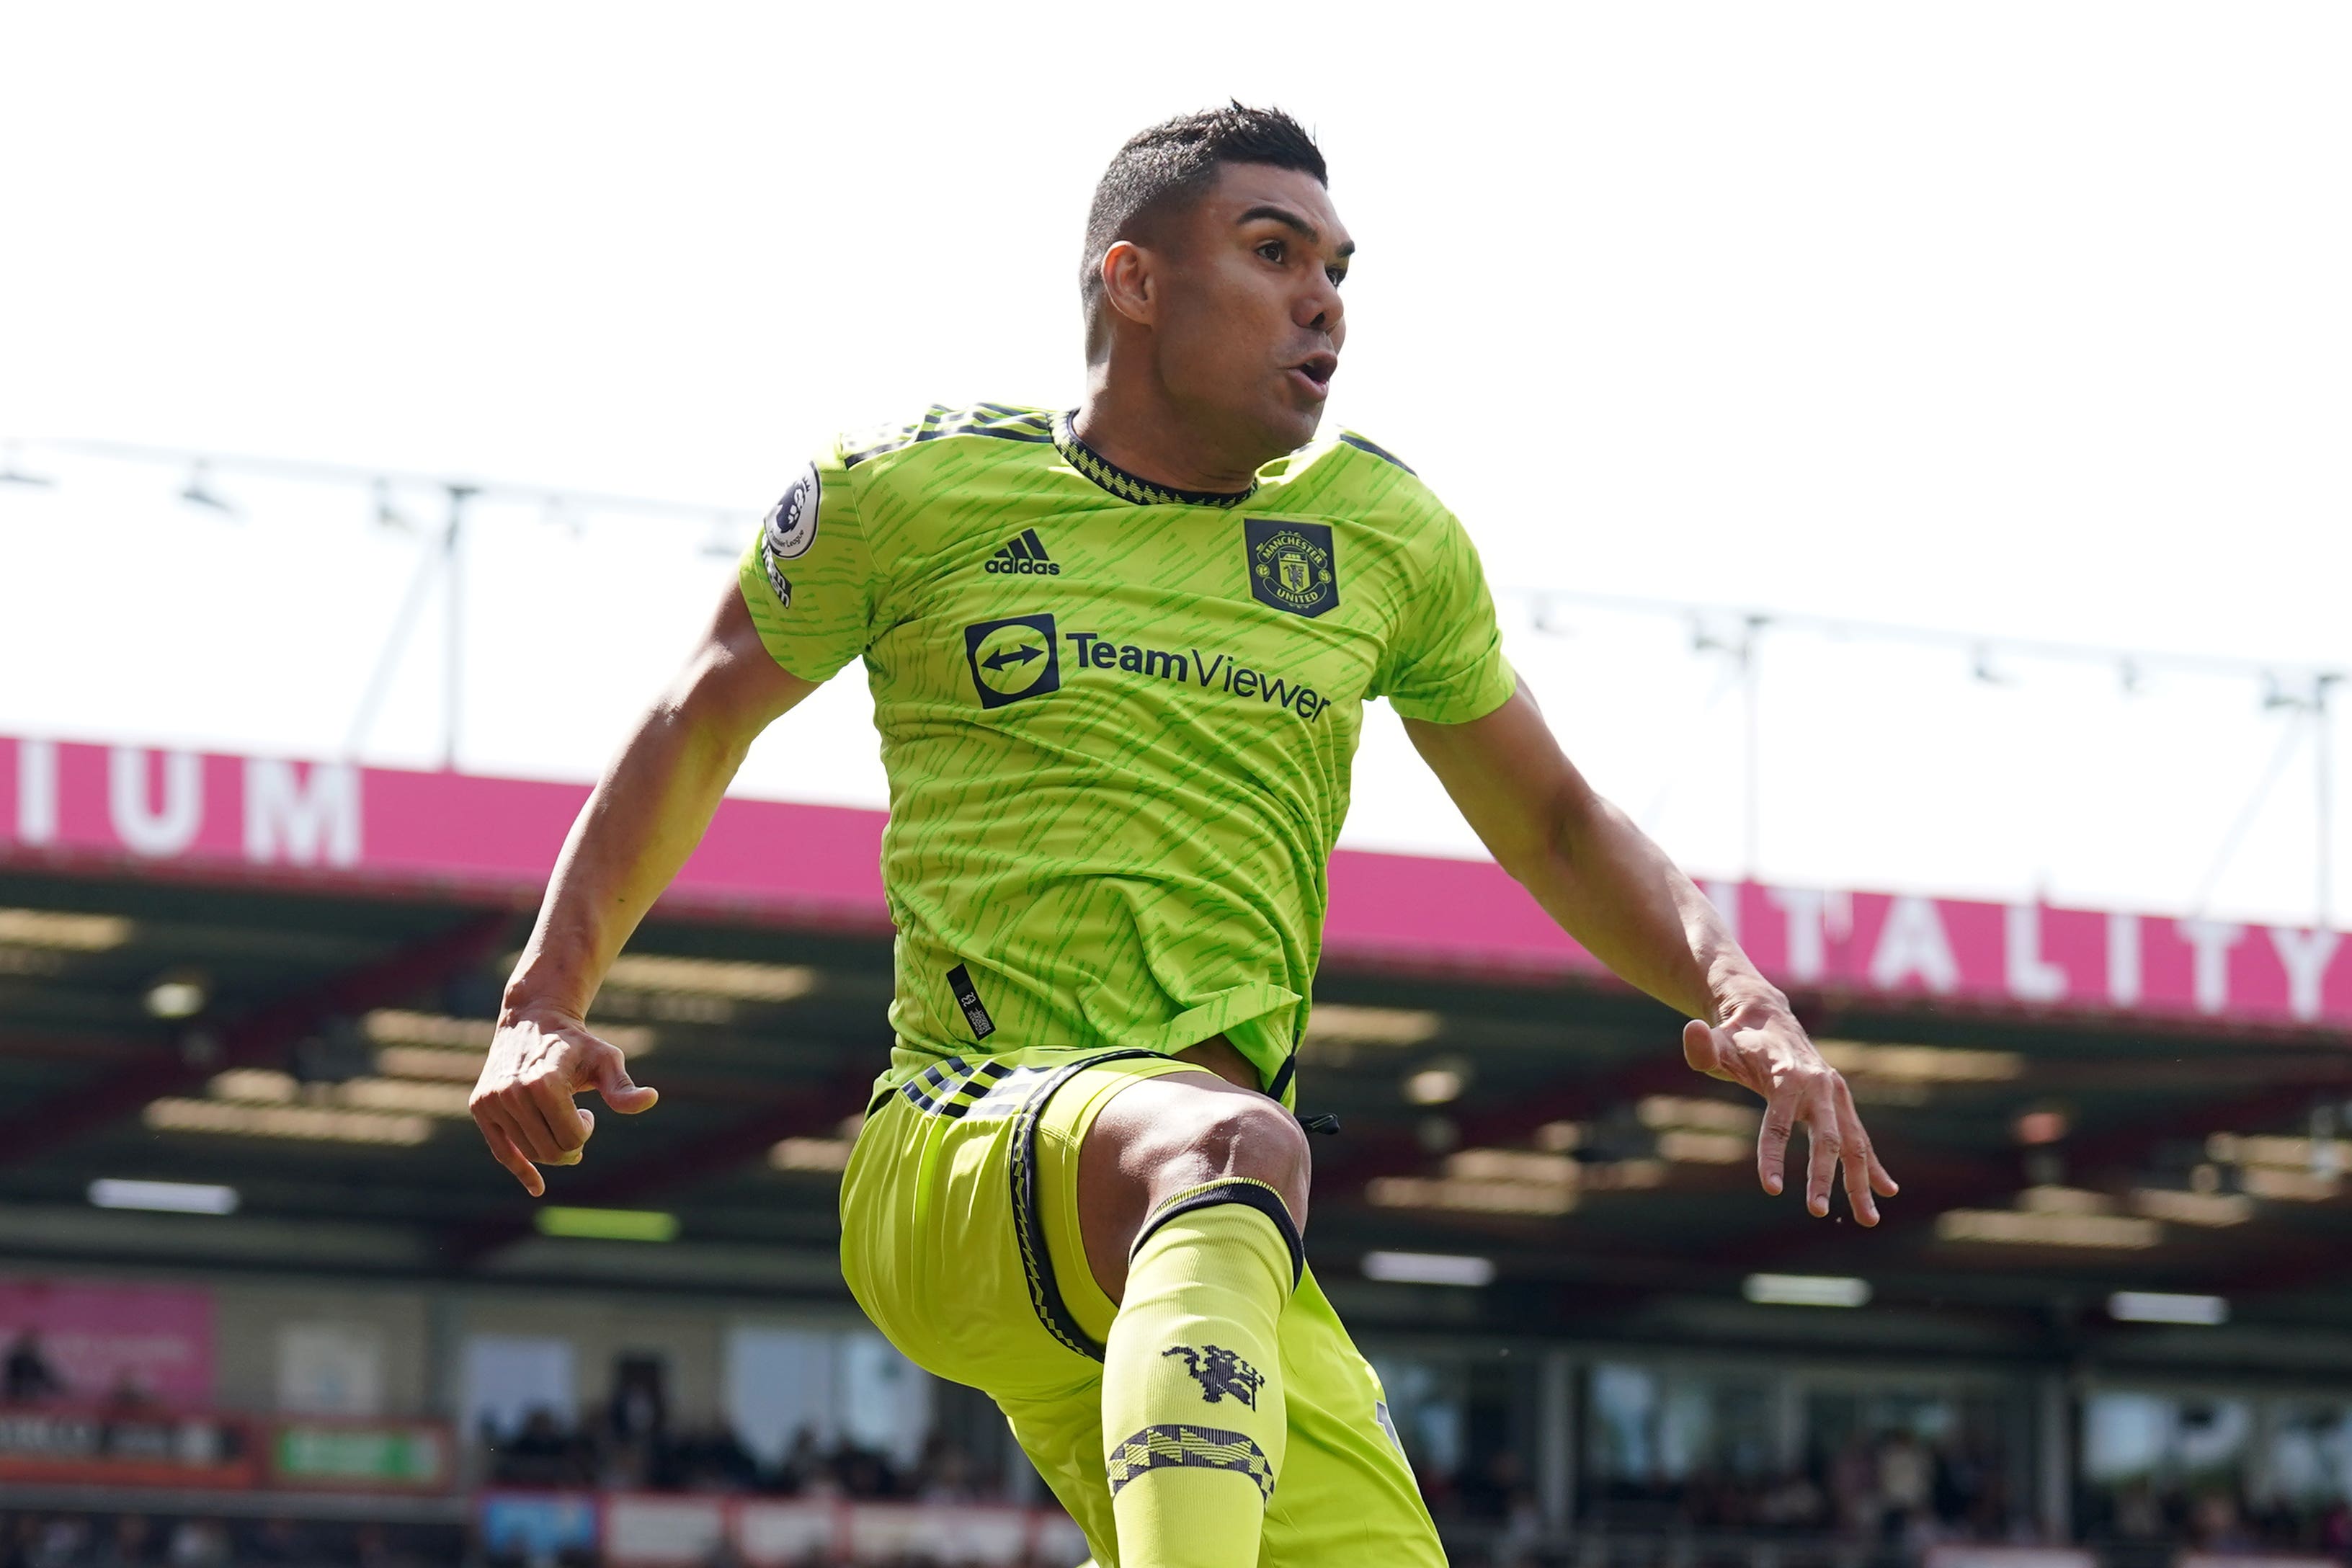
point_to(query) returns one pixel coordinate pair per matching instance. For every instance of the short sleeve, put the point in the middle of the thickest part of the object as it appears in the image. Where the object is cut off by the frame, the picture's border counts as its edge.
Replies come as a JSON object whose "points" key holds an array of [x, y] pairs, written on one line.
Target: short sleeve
{"points": [[1446, 666], [808, 577]]}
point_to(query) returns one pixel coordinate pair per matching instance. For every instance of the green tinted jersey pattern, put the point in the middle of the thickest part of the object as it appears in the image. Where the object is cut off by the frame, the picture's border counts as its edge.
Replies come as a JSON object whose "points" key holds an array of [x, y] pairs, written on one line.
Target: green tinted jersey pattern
{"points": [[1116, 720]]}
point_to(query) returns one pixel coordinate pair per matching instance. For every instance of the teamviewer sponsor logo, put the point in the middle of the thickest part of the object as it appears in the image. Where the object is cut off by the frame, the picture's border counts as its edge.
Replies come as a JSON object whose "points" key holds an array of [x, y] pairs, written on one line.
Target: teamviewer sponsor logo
{"points": [[1013, 658], [1192, 666], [1024, 557]]}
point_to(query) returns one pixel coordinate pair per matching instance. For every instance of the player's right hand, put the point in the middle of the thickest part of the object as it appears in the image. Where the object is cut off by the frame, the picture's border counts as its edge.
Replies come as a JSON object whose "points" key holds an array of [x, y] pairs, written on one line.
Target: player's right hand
{"points": [[522, 1102]]}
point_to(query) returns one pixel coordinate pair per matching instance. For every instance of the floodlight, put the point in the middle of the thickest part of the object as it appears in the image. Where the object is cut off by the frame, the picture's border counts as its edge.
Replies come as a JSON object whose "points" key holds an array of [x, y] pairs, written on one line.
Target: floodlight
{"points": [[181, 994], [2160, 1307], [1428, 1269], [1433, 1086], [166, 1198], [1805, 1290]]}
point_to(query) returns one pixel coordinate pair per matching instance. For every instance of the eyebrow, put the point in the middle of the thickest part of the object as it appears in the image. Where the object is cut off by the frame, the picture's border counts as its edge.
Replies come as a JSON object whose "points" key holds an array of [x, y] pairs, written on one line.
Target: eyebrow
{"points": [[1291, 220]]}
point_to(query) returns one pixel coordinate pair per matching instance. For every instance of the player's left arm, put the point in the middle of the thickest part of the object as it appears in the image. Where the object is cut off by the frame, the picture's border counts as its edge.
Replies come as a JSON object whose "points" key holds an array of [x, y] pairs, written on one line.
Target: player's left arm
{"points": [[1612, 889]]}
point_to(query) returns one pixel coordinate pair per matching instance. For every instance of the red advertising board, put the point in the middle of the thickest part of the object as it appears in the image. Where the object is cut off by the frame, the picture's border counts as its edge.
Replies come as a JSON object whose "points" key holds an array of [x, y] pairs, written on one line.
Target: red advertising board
{"points": [[263, 816], [125, 1447]]}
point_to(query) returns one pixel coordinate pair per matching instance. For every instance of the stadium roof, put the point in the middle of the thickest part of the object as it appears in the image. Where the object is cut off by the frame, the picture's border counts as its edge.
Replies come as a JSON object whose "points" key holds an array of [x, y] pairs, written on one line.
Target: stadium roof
{"points": [[225, 972]]}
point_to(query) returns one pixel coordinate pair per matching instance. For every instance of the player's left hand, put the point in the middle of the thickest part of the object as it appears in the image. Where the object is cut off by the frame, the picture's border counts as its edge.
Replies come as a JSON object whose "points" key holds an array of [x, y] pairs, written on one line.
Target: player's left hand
{"points": [[538, 1061], [1767, 1050]]}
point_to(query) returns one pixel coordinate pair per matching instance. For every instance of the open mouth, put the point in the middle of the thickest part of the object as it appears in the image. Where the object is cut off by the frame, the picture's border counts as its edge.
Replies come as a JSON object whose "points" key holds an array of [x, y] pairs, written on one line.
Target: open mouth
{"points": [[1318, 369]]}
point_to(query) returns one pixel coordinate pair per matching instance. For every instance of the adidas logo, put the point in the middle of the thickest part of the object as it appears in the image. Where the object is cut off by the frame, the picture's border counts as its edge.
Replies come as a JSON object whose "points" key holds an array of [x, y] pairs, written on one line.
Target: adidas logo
{"points": [[1024, 557]]}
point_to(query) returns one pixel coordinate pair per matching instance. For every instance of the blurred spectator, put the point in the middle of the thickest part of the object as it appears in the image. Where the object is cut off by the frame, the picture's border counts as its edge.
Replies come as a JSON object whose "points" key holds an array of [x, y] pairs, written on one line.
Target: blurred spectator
{"points": [[805, 1468], [199, 1544], [29, 1375], [1897, 1489], [865, 1472], [130, 1545], [2137, 1516], [60, 1542], [1906, 1478], [2335, 1529], [944, 1472], [1793, 1503], [711, 1460], [2214, 1523], [276, 1540], [543, 1454], [1853, 1489], [129, 1393]]}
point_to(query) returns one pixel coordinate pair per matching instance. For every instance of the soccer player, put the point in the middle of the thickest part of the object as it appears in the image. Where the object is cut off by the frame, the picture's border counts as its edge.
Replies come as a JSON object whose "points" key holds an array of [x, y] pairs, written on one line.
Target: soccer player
{"points": [[1119, 659]]}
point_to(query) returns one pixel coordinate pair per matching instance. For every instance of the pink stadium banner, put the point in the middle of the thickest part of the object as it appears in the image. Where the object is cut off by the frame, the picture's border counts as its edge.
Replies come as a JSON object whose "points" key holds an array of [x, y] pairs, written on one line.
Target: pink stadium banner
{"points": [[96, 1341], [210, 817]]}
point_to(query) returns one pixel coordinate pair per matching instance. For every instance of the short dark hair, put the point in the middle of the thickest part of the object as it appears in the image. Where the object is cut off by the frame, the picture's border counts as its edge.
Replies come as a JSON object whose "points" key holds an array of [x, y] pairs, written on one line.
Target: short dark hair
{"points": [[1168, 165]]}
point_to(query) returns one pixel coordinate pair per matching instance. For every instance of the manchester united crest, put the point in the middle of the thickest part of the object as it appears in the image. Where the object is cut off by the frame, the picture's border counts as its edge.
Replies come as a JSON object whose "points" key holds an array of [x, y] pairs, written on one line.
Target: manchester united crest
{"points": [[1291, 566]]}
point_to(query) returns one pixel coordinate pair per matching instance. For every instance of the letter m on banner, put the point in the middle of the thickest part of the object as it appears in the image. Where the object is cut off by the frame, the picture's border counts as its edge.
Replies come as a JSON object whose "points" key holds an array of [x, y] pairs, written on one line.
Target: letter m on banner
{"points": [[297, 821]]}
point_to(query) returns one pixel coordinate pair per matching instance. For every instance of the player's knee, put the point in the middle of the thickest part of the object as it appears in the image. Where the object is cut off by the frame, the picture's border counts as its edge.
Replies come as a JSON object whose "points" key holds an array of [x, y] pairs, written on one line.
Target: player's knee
{"points": [[1253, 1137]]}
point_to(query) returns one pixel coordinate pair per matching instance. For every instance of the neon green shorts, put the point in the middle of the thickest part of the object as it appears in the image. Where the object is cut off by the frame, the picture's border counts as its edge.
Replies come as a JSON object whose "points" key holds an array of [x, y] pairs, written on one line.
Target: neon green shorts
{"points": [[959, 1237]]}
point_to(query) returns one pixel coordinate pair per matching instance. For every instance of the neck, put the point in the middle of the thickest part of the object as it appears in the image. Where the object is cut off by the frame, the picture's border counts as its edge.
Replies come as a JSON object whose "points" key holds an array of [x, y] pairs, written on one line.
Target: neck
{"points": [[1133, 422]]}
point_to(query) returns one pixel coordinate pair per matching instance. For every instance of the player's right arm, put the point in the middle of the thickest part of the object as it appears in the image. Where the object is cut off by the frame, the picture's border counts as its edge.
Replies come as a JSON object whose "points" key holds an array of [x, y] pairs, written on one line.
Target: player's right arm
{"points": [[644, 817]]}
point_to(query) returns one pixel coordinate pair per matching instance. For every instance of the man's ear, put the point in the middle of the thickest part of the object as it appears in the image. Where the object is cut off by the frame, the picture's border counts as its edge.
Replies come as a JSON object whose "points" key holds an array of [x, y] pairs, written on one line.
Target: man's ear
{"points": [[1127, 281]]}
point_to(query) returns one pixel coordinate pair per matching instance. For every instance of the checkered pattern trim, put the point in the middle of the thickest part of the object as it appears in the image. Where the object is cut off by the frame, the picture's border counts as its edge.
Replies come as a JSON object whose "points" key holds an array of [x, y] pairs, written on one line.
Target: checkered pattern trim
{"points": [[1129, 487], [1028, 1222], [950, 1087], [1190, 1448]]}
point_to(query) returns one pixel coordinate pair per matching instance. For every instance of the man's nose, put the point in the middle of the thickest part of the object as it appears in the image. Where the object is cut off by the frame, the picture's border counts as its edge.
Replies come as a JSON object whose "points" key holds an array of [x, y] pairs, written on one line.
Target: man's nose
{"points": [[1319, 308]]}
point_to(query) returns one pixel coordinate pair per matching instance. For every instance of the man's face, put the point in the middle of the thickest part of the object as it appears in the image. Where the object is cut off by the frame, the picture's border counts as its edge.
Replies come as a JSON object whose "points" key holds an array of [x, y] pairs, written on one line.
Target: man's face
{"points": [[1247, 310]]}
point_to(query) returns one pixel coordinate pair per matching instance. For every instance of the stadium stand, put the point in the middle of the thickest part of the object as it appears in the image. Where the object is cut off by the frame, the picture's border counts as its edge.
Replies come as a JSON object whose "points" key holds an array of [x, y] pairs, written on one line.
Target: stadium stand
{"points": [[264, 1299]]}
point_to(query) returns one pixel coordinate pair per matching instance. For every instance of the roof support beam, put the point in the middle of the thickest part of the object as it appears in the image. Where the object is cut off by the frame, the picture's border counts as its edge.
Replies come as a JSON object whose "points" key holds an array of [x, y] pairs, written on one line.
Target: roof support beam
{"points": [[259, 1036]]}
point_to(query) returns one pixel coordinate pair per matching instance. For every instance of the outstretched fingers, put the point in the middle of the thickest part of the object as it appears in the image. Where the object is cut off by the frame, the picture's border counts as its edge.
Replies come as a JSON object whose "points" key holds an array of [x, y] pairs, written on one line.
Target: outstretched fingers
{"points": [[1772, 1141], [1862, 1171], [1825, 1144], [503, 1150]]}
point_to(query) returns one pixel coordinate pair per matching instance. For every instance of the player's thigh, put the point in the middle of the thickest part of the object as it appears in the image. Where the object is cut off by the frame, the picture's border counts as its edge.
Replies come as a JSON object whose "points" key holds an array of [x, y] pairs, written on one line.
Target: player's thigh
{"points": [[930, 1245], [1345, 1493]]}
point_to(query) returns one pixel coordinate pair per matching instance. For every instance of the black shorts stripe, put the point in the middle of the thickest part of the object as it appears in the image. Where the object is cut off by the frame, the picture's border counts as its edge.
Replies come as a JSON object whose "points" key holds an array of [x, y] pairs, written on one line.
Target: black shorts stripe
{"points": [[1028, 1223]]}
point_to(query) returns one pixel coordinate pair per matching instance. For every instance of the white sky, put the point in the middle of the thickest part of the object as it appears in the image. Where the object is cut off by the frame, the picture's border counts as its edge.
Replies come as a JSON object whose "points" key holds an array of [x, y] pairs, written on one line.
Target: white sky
{"points": [[2024, 319]]}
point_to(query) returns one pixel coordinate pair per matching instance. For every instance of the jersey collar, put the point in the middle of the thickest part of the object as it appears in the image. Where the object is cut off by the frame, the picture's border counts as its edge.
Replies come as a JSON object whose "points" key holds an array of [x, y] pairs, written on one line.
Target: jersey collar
{"points": [[1130, 486]]}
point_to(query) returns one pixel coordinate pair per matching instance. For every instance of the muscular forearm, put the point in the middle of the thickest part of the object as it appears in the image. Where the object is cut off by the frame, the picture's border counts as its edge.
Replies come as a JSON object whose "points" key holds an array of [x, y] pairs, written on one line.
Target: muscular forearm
{"points": [[646, 816], [1613, 889], [1591, 868], [1615, 892], [648, 812]]}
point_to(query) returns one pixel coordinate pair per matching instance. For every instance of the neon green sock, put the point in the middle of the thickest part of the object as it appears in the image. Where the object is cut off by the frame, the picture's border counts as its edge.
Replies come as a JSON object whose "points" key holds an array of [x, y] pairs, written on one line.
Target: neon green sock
{"points": [[1192, 1387]]}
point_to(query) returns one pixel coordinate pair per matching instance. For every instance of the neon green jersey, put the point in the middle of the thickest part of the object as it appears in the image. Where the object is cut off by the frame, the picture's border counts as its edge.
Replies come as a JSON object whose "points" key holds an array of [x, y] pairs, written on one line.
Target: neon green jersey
{"points": [[1116, 720]]}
